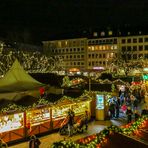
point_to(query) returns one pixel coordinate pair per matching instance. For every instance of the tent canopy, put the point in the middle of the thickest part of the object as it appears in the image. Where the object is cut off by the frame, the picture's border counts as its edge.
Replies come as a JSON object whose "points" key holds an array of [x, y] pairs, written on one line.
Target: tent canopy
{"points": [[16, 80]]}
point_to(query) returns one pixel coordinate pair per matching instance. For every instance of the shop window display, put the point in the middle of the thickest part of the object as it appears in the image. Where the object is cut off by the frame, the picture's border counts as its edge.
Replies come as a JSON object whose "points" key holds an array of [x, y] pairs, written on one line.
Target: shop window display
{"points": [[38, 116], [11, 122], [80, 108], [60, 111]]}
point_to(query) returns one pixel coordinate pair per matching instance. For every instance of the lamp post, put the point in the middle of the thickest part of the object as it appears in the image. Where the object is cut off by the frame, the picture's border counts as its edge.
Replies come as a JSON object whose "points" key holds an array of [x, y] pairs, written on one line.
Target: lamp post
{"points": [[89, 82]]}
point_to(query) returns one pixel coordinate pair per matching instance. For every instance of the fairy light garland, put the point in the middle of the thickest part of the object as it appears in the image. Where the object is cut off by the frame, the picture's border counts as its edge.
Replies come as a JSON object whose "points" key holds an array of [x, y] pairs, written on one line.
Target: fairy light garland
{"points": [[100, 139]]}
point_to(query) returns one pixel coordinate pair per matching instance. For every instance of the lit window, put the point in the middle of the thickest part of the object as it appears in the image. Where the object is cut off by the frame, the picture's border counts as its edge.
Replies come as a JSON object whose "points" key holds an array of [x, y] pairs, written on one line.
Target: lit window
{"points": [[95, 34], [59, 44], [96, 47], [112, 47], [110, 33], [115, 46], [102, 33]]}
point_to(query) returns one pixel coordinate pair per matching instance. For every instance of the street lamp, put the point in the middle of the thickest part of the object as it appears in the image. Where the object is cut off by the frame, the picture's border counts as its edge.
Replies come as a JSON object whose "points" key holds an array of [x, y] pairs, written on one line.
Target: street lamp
{"points": [[89, 77]]}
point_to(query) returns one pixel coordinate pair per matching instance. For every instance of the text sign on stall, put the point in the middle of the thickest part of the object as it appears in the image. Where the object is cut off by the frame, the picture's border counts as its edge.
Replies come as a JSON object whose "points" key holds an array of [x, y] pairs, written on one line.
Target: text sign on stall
{"points": [[99, 102]]}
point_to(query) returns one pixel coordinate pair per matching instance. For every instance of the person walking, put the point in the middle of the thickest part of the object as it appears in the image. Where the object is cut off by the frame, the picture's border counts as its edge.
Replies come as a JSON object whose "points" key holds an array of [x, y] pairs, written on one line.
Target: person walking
{"points": [[3, 144], [34, 142], [117, 107], [136, 115], [70, 121], [112, 110], [129, 115], [86, 118]]}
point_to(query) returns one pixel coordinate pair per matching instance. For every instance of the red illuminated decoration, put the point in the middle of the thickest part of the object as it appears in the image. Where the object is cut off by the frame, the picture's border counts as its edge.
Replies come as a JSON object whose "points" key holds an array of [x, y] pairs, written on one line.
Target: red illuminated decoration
{"points": [[42, 91], [136, 83]]}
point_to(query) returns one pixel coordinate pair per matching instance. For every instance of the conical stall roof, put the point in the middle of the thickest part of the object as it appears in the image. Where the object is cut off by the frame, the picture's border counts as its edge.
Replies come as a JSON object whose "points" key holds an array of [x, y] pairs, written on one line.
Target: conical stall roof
{"points": [[17, 79]]}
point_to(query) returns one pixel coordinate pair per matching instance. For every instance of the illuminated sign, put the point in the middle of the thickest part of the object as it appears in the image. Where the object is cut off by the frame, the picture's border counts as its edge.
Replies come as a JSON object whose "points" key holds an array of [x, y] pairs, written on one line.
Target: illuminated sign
{"points": [[145, 77], [145, 69], [98, 68], [99, 102]]}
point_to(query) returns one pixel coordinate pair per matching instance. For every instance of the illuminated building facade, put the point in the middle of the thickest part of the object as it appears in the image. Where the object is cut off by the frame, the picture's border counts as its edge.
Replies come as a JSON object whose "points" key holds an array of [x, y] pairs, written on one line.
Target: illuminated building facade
{"points": [[134, 48], [101, 52], [73, 52], [98, 53]]}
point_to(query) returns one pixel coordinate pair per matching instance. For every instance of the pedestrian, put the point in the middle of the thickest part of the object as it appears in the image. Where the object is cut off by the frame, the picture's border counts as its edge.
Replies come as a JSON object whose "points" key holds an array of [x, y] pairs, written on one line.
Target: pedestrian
{"points": [[144, 111], [117, 107], [34, 142], [136, 115], [70, 121], [129, 115], [112, 110], [3, 144], [86, 117]]}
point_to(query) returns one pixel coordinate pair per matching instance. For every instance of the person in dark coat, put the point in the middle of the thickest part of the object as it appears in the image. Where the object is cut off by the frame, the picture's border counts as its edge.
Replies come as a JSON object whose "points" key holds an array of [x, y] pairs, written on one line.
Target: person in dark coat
{"points": [[86, 118], [70, 121], [34, 142], [117, 107], [3, 144], [129, 115], [136, 115], [112, 110], [145, 111]]}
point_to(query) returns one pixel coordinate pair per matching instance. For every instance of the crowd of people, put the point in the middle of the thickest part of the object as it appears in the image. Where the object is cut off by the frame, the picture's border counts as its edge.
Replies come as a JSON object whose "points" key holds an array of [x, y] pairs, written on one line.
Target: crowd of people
{"points": [[128, 102]]}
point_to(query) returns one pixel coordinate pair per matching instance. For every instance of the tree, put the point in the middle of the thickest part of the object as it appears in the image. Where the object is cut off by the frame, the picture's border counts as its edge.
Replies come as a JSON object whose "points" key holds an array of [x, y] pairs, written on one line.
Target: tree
{"points": [[124, 63]]}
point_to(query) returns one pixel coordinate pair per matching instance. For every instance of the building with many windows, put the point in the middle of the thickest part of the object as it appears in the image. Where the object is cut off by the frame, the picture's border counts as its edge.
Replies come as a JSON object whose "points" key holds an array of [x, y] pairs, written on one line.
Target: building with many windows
{"points": [[73, 52], [134, 48], [98, 53]]}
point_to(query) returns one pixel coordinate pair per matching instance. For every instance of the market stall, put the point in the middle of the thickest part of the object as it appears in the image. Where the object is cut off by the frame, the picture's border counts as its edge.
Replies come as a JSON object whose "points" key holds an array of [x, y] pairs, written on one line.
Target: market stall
{"points": [[80, 106], [60, 111], [12, 126], [38, 120]]}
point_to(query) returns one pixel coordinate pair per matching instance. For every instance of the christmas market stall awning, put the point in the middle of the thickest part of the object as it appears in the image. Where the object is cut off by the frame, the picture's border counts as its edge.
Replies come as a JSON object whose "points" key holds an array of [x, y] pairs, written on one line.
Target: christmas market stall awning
{"points": [[106, 81], [135, 72], [119, 82], [65, 100], [17, 80]]}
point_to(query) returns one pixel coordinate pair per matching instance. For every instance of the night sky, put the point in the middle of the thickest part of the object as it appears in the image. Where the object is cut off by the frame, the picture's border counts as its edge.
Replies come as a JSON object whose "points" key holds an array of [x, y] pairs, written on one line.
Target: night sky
{"points": [[37, 20]]}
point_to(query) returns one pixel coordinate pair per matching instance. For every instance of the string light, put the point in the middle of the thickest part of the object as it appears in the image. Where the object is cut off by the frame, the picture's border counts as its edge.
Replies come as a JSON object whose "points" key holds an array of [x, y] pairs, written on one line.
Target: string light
{"points": [[100, 139]]}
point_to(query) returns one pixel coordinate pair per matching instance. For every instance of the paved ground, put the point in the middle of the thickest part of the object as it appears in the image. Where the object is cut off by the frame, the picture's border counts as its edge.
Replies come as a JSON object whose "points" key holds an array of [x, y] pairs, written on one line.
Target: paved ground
{"points": [[94, 127]]}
